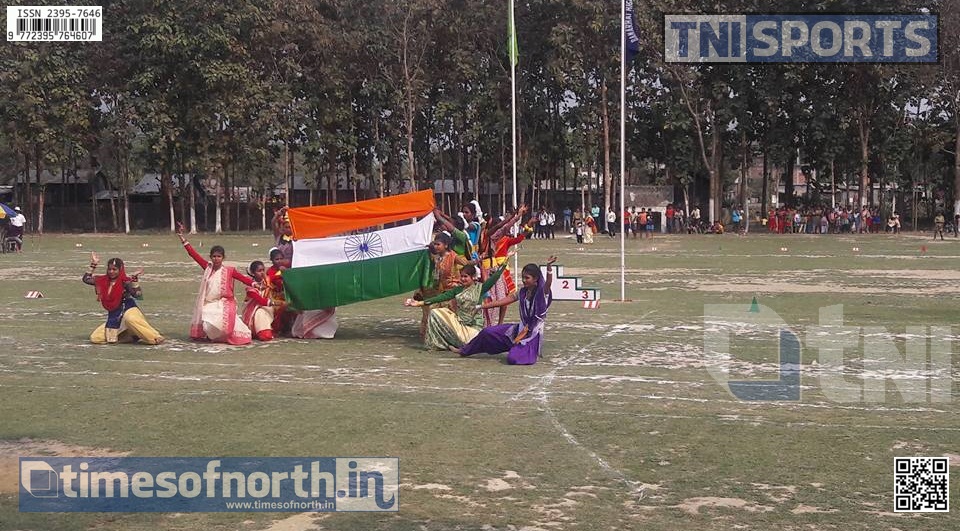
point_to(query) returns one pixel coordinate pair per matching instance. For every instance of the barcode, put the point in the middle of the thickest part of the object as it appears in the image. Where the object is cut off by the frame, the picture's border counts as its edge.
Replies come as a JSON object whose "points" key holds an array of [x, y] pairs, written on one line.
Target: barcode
{"points": [[921, 484], [57, 24], [54, 23]]}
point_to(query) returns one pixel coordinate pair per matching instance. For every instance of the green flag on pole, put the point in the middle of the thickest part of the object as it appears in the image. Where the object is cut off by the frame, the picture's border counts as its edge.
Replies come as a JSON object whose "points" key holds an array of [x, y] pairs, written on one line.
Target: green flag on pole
{"points": [[512, 38]]}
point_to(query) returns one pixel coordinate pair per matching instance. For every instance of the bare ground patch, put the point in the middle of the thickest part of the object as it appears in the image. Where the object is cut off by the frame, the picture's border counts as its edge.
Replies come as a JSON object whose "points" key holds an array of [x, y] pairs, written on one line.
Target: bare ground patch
{"points": [[693, 505], [299, 522], [11, 451]]}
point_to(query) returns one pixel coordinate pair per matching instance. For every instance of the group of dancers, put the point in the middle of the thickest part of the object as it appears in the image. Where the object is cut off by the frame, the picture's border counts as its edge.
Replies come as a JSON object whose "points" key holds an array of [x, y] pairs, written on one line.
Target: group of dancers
{"points": [[463, 307]]}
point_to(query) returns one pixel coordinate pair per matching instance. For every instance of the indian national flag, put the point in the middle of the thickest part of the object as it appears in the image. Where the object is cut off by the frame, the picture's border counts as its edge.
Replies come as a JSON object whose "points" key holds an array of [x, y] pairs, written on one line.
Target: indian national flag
{"points": [[335, 271]]}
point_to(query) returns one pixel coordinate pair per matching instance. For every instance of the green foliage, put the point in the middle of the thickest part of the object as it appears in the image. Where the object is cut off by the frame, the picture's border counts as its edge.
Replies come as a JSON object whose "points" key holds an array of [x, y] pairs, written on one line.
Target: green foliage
{"points": [[422, 88]]}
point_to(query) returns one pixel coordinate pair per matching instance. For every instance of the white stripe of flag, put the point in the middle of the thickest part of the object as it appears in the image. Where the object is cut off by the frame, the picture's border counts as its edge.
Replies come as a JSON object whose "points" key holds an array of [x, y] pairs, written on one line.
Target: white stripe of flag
{"points": [[378, 244]]}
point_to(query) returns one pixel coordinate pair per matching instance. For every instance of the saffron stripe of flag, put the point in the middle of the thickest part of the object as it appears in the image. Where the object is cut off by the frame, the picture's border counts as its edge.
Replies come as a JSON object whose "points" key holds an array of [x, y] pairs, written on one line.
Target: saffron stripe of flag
{"points": [[328, 220]]}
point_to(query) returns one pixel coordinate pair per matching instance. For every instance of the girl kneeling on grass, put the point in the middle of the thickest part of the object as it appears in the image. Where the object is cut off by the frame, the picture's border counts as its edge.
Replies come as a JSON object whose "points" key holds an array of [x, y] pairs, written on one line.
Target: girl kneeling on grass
{"points": [[259, 313], [451, 328], [118, 294], [521, 340], [215, 315]]}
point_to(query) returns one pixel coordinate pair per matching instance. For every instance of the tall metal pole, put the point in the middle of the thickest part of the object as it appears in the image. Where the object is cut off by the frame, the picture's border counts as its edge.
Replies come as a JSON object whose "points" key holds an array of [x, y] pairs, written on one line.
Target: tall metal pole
{"points": [[512, 52], [623, 147], [513, 101]]}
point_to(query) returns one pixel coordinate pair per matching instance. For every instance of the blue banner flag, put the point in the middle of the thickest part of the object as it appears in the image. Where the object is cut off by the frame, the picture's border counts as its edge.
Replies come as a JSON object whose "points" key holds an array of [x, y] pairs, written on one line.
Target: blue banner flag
{"points": [[630, 29]]}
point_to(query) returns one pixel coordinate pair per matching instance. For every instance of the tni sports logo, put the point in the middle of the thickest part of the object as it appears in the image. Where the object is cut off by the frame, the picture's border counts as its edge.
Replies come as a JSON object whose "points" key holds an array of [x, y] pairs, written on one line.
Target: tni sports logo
{"points": [[898, 38]]}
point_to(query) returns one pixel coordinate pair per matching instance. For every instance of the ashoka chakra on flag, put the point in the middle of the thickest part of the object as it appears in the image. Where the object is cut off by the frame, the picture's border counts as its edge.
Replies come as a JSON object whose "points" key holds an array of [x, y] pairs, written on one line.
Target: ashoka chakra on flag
{"points": [[334, 271]]}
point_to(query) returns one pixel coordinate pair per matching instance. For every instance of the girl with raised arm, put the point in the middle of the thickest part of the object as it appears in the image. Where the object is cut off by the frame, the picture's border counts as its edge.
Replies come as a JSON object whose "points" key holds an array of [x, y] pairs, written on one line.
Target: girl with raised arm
{"points": [[118, 295], [215, 316], [522, 340], [452, 327], [495, 246]]}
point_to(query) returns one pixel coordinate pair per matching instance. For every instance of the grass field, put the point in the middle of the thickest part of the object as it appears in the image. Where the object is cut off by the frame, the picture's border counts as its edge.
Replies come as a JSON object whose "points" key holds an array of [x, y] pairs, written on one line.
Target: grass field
{"points": [[620, 426]]}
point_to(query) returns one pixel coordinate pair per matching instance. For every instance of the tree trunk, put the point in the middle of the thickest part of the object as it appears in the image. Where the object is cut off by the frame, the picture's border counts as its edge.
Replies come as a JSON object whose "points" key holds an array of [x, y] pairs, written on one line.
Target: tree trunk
{"points": [[218, 221], [22, 191], [375, 160], [563, 173], [443, 178], [16, 179], [167, 178], [333, 183], [764, 193], [36, 163], [181, 197], [263, 212], [317, 185], [503, 176], [286, 174], [864, 131], [744, 176], [833, 186], [63, 182], [956, 162], [716, 183], [94, 203], [113, 206], [476, 178], [192, 197], [351, 178], [607, 177], [235, 195], [125, 190], [461, 170], [43, 197]]}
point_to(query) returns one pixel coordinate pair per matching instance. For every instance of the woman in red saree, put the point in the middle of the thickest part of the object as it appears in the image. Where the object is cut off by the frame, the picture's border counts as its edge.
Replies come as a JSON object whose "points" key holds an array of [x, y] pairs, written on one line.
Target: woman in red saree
{"points": [[495, 247], [215, 316], [258, 309]]}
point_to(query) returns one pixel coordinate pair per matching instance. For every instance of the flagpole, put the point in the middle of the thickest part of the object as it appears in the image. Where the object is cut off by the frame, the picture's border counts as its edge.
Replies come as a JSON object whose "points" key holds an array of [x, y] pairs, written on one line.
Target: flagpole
{"points": [[623, 148], [513, 101], [512, 53]]}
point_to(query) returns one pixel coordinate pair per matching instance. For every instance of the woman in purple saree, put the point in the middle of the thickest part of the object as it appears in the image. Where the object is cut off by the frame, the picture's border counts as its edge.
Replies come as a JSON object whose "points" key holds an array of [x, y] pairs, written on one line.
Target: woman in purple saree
{"points": [[521, 340]]}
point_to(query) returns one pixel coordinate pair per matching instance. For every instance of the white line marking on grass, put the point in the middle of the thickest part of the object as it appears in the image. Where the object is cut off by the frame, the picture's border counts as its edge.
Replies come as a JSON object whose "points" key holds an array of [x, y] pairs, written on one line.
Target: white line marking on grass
{"points": [[547, 379], [315, 368], [543, 397]]}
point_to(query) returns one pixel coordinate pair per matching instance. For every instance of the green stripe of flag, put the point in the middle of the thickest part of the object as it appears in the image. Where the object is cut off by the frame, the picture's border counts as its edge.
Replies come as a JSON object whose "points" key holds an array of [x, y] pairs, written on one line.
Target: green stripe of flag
{"points": [[327, 286]]}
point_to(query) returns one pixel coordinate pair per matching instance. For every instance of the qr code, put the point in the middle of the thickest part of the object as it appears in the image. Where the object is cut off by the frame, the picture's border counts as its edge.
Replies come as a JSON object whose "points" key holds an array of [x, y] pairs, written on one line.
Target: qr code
{"points": [[921, 484]]}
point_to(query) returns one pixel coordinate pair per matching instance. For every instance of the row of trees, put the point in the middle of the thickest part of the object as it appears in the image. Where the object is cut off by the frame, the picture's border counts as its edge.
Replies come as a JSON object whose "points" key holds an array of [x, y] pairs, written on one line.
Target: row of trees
{"points": [[246, 92]]}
